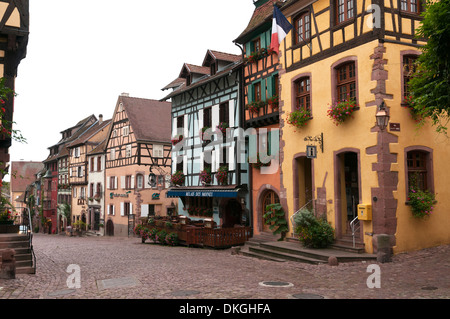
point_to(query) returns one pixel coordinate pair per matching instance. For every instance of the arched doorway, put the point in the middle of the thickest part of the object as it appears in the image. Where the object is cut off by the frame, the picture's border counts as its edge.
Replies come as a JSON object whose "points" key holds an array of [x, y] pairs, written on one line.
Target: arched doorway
{"points": [[348, 190], [268, 198], [233, 213], [109, 228]]}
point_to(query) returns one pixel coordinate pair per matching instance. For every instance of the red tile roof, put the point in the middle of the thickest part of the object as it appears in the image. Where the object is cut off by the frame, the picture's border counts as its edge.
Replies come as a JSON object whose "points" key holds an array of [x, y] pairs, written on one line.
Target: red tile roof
{"points": [[23, 174], [150, 119]]}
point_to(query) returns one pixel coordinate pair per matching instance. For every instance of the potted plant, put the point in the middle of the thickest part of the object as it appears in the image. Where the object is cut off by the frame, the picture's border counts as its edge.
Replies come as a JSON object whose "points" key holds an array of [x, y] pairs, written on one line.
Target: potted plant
{"points": [[275, 217], [172, 239], [299, 118], [205, 176], [342, 110], [222, 175], [177, 178]]}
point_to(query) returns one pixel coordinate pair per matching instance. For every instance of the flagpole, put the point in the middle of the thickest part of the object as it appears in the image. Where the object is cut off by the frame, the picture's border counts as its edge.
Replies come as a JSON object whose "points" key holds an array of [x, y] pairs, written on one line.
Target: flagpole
{"points": [[296, 32]]}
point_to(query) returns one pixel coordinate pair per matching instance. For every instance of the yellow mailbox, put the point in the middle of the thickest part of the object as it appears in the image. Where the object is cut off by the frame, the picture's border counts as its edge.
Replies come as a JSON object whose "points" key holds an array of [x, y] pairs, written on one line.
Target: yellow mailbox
{"points": [[364, 212]]}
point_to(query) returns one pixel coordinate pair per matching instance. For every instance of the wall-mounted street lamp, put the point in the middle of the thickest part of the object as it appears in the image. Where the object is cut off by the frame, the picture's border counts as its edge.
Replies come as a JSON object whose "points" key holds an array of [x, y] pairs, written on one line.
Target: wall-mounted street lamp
{"points": [[382, 117]]}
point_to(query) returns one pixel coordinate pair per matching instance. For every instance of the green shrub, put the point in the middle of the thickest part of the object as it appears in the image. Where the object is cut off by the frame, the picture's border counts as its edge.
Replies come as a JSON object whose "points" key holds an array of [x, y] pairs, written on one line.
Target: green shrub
{"points": [[313, 232]]}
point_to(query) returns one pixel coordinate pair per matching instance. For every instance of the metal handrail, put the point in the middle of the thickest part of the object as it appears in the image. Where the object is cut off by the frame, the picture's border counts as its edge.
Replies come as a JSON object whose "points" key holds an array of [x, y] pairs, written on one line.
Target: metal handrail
{"points": [[29, 233], [298, 211], [354, 226]]}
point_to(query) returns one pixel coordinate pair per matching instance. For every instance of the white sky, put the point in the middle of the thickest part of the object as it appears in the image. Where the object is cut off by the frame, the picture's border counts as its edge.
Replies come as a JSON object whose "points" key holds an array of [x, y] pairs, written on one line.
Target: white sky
{"points": [[83, 54]]}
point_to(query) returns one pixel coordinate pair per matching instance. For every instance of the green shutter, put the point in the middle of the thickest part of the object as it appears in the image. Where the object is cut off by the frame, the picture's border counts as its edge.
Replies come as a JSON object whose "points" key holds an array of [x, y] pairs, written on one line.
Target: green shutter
{"points": [[270, 86], [251, 93]]}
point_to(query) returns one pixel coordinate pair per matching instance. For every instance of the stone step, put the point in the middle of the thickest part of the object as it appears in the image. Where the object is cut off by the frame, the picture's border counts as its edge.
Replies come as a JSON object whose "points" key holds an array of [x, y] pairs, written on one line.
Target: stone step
{"points": [[295, 251], [285, 255]]}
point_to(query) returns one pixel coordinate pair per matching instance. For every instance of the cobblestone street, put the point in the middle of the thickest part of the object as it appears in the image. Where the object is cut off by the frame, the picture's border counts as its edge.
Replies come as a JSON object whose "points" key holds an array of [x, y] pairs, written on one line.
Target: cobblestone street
{"points": [[117, 268]]}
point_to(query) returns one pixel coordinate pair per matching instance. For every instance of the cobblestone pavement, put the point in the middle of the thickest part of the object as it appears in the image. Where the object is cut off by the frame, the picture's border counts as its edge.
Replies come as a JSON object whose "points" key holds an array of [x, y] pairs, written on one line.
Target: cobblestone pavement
{"points": [[122, 268]]}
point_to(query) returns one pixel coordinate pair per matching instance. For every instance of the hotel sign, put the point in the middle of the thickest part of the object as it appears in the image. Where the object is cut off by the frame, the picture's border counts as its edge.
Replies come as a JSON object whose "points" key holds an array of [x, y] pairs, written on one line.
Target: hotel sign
{"points": [[112, 195]]}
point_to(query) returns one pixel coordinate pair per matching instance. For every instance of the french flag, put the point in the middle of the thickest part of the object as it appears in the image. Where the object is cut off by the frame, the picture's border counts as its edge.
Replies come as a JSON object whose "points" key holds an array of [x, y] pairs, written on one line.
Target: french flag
{"points": [[280, 28]]}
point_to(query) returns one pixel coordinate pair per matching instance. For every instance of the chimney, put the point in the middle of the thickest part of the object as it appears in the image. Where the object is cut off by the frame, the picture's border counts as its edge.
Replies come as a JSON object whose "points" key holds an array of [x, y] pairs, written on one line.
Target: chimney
{"points": [[125, 94], [100, 119]]}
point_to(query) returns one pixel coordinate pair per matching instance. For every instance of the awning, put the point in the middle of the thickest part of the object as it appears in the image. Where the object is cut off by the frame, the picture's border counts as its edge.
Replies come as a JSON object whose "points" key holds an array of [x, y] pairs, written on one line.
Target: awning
{"points": [[224, 193]]}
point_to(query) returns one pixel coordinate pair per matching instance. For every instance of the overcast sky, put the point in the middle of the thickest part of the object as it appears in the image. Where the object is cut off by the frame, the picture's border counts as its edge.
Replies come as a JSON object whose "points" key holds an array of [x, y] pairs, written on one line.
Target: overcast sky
{"points": [[83, 54]]}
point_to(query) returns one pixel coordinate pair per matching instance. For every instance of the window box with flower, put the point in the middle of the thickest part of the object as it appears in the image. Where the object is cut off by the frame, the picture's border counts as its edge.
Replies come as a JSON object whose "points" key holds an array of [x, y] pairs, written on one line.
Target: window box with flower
{"points": [[177, 139], [222, 127], [206, 176], [273, 102], [222, 175], [340, 111], [255, 106], [299, 118], [177, 178], [421, 203]]}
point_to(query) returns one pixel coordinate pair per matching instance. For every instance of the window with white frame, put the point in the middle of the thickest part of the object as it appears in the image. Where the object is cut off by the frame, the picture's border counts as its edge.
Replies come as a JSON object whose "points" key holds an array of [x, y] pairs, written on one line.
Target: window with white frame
{"points": [[158, 150]]}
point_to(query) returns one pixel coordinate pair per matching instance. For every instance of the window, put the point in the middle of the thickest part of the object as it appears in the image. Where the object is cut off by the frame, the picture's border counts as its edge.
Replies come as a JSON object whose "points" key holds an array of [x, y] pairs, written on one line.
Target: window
{"points": [[111, 209], [80, 171], [128, 182], [125, 130], [344, 10], [158, 150], [257, 93], [302, 25], [303, 93], [126, 209], [223, 112], [112, 155], [112, 182], [408, 69], [207, 117], [91, 190], [91, 169], [256, 45], [411, 6], [346, 82], [139, 181], [128, 151], [99, 163], [99, 190], [76, 152], [417, 170]]}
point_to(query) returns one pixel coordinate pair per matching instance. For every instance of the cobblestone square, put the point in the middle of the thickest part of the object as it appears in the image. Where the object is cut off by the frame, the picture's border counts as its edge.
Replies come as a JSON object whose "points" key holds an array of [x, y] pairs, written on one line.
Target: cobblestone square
{"points": [[124, 268]]}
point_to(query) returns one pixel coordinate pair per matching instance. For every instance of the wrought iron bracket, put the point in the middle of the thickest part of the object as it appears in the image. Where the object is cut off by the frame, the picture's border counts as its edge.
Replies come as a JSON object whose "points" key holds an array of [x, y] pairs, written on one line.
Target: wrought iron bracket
{"points": [[317, 138]]}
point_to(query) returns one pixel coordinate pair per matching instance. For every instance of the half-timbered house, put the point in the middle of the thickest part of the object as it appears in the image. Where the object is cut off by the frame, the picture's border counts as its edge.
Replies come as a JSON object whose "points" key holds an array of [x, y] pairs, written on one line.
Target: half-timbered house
{"points": [[137, 164], [55, 186], [96, 182], [79, 168], [14, 30], [261, 80], [356, 56], [209, 170]]}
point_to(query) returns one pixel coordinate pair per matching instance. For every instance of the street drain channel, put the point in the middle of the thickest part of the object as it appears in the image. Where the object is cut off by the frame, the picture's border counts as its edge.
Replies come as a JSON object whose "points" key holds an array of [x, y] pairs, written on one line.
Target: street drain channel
{"points": [[63, 292], [307, 296], [185, 293], [123, 282], [275, 284]]}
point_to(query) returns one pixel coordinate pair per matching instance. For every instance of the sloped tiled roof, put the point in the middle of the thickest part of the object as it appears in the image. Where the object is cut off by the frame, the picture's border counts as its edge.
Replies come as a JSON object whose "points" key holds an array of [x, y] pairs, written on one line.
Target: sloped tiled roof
{"points": [[262, 15], [150, 119], [191, 68], [23, 174], [174, 84], [96, 133], [222, 56]]}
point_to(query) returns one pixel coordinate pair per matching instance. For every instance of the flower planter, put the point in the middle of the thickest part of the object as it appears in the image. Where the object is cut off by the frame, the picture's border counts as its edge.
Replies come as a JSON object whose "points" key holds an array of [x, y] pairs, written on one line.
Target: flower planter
{"points": [[8, 228]]}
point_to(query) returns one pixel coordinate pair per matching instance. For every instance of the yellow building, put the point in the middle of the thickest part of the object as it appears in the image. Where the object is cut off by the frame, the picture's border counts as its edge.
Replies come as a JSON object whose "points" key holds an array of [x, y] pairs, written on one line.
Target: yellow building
{"points": [[363, 53]]}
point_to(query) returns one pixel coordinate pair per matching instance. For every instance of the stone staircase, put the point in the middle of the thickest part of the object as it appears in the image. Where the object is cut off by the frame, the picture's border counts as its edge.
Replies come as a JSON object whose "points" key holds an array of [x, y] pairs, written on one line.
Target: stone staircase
{"points": [[268, 248], [23, 253]]}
